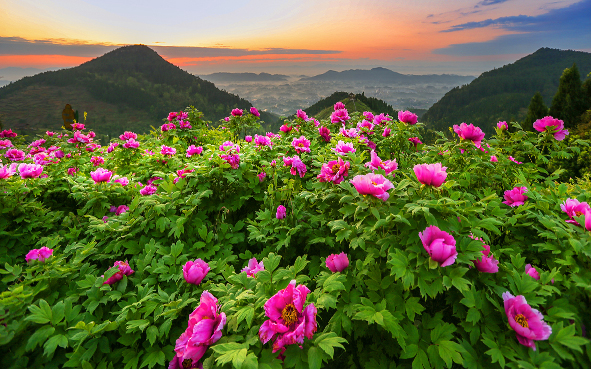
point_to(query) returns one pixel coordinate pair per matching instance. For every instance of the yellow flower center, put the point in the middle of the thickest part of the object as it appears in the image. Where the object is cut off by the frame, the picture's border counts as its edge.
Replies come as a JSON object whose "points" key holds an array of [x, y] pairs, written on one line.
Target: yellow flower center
{"points": [[373, 183], [301, 144], [335, 168], [578, 213], [187, 363], [521, 320], [289, 314]]}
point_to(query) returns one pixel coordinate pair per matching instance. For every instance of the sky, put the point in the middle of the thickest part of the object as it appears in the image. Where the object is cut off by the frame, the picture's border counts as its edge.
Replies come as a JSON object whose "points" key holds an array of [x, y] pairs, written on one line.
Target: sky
{"points": [[303, 37]]}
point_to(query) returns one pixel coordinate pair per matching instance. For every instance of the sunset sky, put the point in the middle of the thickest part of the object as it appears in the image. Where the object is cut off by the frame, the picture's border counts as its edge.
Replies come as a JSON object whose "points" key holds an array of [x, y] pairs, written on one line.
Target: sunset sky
{"points": [[294, 37]]}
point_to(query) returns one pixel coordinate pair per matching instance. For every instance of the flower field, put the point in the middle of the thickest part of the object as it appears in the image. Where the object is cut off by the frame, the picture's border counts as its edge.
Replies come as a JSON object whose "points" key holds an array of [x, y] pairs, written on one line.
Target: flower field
{"points": [[342, 243]]}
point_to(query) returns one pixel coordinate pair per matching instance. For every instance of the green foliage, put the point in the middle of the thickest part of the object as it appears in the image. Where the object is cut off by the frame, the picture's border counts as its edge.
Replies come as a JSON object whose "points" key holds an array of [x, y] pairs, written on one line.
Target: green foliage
{"points": [[536, 110], [569, 101]]}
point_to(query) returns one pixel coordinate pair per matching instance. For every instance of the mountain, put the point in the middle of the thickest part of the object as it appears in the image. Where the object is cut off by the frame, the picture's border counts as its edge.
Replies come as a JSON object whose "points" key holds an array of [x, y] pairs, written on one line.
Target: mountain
{"points": [[353, 102], [384, 75], [505, 93], [129, 88], [244, 77]]}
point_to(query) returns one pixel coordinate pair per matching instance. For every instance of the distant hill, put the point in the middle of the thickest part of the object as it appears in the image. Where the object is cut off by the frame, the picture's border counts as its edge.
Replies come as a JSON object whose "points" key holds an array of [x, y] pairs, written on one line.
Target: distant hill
{"points": [[505, 93], [387, 76], [360, 103], [129, 88], [244, 77]]}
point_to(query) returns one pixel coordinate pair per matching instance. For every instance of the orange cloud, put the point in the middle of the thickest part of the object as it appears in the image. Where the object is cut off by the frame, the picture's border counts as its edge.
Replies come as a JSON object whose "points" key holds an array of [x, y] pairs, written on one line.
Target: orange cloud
{"points": [[42, 61]]}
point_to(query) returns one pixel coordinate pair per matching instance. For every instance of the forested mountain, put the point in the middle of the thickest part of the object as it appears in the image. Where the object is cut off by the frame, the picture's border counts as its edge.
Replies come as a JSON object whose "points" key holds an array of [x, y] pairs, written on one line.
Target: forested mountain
{"points": [[505, 93], [385, 75], [130, 88]]}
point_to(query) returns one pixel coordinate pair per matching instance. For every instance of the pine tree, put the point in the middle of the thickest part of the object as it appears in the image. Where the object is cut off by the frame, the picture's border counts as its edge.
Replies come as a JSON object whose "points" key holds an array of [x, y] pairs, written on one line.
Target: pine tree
{"points": [[568, 103], [536, 110]]}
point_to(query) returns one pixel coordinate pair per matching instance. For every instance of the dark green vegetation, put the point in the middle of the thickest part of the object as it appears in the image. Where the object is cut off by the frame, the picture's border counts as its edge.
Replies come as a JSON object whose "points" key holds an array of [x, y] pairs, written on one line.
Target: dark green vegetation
{"points": [[505, 93], [384, 75], [130, 88], [365, 104]]}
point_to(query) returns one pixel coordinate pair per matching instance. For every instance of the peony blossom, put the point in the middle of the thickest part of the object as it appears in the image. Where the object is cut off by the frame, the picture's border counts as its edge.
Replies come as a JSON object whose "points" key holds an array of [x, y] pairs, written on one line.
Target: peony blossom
{"points": [[233, 160], [30, 170], [165, 150], [7, 170], [415, 141], [297, 165], [97, 160], [123, 181], [121, 209], [407, 117], [302, 114], [14, 155], [515, 197], [440, 245], [39, 255], [192, 150], [124, 269], [262, 141], [254, 111], [204, 329], [195, 271], [588, 220], [351, 132], [127, 135], [373, 184], [572, 208], [431, 174], [365, 127], [236, 112], [324, 133], [285, 128], [528, 323], [494, 159], [376, 163], [253, 267], [339, 105], [386, 132], [167, 127], [101, 175], [554, 126], [7, 133], [131, 144], [487, 263], [381, 118], [112, 147], [281, 212], [334, 171], [503, 126], [368, 115], [342, 148], [248, 139], [4, 144], [71, 171], [469, 132], [340, 116], [289, 321], [532, 272], [262, 176], [337, 262], [148, 190], [301, 144]]}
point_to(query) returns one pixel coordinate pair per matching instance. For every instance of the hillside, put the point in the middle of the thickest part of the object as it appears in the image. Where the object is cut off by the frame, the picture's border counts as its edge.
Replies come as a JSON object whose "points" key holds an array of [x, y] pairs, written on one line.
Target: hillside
{"points": [[505, 93], [243, 77], [323, 108], [130, 88], [387, 76]]}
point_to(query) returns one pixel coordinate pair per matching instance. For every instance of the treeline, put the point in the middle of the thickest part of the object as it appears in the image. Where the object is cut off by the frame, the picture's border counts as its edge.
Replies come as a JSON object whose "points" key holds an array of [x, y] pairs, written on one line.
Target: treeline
{"points": [[376, 105]]}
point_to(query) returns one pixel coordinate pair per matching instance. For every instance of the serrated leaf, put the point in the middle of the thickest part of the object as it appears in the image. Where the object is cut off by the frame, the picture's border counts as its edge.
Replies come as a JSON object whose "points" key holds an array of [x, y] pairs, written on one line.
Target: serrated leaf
{"points": [[314, 358]]}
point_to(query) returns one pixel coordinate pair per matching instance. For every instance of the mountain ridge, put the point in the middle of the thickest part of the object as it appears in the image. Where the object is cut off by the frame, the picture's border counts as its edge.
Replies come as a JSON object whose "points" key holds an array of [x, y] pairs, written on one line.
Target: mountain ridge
{"points": [[386, 75]]}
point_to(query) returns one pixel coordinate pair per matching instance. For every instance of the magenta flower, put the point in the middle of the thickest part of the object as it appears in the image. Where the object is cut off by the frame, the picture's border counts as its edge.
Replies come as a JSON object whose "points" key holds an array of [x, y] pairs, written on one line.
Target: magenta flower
{"points": [[71, 171], [381, 118], [469, 132], [248, 138], [112, 147], [494, 159], [285, 128], [532, 272], [514, 160], [165, 150], [487, 263], [373, 184], [340, 116], [440, 245], [253, 267], [237, 112], [131, 144], [7, 171], [148, 190], [37, 143], [528, 323], [254, 111], [297, 165], [365, 127], [334, 171], [79, 137], [229, 147], [339, 105], [368, 115], [7, 133], [124, 269], [551, 125], [302, 114], [192, 150], [572, 208], [342, 148], [588, 220], [503, 126], [195, 271], [167, 127], [127, 135], [431, 174], [324, 133], [281, 212], [121, 209], [264, 141], [415, 141], [301, 144], [77, 126], [30, 170], [386, 132], [97, 160], [289, 322], [14, 155], [262, 176], [123, 181], [204, 329], [39, 255], [351, 132], [407, 117], [515, 197], [389, 165], [337, 262], [4, 144], [101, 175]]}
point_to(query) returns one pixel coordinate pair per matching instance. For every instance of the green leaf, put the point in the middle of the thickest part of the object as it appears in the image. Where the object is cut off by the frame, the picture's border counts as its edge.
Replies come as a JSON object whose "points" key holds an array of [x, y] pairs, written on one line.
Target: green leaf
{"points": [[413, 307], [176, 249], [247, 313], [421, 361], [52, 343], [314, 358], [153, 358], [39, 337], [251, 362], [473, 316], [448, 351], [57, 312], [230, 352], [328, 341], [334, 282], [152, 334], [271, 262], [40, 314]]}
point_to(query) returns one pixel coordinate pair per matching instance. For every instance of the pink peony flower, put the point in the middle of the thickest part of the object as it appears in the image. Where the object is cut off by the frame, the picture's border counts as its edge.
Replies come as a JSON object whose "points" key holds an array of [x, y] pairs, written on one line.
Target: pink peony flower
{"points": [[39, 255], [253, 267], [254, 111], [515, 161], [127, 135], [431, 174], [79, 137], [389, 165], [551, 125], [339, 105], [324, 133], [337, 262], [233, 160], [192, 150], [195, 271], [263, 141], [112, 147], [101, 175], [77, 126], [7, 171], [494, 159], [236, 112], [92, 146], [469, 132], [148, 190], [440, 245], [368, 115], [165, 150], [373, 184], [340, 116], [301, 144], [532, 272], [7, 134], [123, 181], [515, 197], [297, 165], [386, 132], [203, 330], [281, 212], [381, 118], [415, 141], [229, 146], [503, 126], [71, 171], [14, 155], [351, 132], [487, 263], [167, 127], [285, 128], [302, 114], [124, 269], [248, 138], [572, 208], [131, 144], [121, 209], [334, 171], [262, 176], [365, 127], [342, 148], [4, 144], [407, 117], [30, 170], [289, 322], [588, 220], [97, 160], [528, 323]]}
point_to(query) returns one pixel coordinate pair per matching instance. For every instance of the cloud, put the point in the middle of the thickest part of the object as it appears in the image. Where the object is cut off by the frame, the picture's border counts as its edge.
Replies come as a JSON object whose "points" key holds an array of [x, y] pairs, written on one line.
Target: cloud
{"points": [[564, 28], [491, 2], [210, 52]]}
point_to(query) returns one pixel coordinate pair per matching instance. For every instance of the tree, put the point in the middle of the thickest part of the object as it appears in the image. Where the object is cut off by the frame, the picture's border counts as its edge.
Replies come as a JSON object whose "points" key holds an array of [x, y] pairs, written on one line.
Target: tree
{"points": [[536, 110], [568, 103]]}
